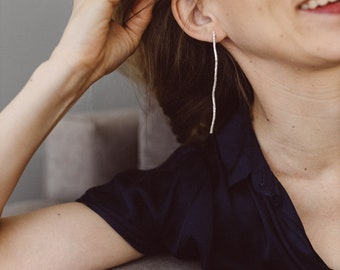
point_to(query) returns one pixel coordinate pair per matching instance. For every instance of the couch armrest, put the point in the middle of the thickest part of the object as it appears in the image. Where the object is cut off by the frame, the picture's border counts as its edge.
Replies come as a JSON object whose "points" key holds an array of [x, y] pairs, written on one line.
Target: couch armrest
{"points": [[85, 150]]}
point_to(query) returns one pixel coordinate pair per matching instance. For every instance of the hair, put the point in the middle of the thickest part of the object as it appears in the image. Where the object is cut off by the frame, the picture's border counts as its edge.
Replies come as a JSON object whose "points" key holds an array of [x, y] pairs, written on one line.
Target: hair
{"points": [[179, 70]]}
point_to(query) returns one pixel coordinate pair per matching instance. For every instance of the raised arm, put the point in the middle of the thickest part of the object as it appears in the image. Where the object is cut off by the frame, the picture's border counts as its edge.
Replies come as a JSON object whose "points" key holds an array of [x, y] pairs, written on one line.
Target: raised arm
{"points": [[91, 46], [69, 236]]}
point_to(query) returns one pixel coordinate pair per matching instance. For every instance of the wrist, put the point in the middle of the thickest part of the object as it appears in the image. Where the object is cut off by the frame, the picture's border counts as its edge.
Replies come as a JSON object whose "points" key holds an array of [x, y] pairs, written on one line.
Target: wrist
{"points": [[68, 77], [54, 84], [74, 63]]}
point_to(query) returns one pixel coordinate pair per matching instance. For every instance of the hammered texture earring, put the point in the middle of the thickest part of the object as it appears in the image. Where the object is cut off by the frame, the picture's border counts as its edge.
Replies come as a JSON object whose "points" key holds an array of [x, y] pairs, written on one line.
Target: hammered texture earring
{"points": [[213, 93]]}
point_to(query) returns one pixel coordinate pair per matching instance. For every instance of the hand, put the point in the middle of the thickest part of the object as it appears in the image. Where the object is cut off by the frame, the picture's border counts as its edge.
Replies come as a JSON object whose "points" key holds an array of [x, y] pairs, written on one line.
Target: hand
{"points": [[94, 43], [91, 46]]}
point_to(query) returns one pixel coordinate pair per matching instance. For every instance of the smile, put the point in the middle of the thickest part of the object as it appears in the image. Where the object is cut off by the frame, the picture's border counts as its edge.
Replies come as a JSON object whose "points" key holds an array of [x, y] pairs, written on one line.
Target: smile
{"points": [[313, 4]]}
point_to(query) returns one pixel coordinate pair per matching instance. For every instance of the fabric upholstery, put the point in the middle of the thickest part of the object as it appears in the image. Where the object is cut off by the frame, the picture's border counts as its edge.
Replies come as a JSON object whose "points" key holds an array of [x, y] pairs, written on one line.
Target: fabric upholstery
{"points": [[156, 140], [85, 150]]}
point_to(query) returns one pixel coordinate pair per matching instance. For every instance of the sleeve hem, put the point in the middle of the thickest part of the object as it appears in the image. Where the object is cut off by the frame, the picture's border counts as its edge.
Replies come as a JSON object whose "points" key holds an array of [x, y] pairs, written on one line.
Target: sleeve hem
{"points": [[126, 230]]}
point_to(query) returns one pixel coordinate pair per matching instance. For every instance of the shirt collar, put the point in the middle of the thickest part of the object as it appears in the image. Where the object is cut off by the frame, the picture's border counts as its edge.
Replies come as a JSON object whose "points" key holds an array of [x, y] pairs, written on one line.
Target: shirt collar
{"points": [[241, 155]]}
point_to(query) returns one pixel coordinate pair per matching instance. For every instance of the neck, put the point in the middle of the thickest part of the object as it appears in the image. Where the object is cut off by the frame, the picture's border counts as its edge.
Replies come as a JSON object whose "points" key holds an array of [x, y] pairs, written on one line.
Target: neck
{"points": [[297, 122]]}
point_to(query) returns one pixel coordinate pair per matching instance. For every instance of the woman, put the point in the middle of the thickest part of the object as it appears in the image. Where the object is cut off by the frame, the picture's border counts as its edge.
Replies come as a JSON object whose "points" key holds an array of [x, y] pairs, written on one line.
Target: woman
{"points": [[263, 192]]}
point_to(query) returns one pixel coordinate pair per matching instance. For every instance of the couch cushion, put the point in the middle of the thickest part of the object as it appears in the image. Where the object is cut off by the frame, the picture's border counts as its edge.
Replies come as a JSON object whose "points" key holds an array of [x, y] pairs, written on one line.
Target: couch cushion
{"points": [[156, 139], [21, 207], [86, 150]]}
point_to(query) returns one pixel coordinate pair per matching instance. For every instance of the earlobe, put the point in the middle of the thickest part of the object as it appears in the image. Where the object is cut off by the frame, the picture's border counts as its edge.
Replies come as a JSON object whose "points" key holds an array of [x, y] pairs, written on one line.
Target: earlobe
{"points": [[191, 18]]}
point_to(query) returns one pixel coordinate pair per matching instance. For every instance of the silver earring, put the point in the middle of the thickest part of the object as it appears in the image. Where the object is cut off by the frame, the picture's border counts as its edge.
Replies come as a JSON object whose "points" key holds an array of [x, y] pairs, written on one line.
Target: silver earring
{"points": [[213, 99]]}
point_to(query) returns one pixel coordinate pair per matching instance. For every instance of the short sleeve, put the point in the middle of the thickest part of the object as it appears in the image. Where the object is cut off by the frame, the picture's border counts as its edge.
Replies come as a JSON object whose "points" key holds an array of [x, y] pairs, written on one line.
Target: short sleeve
{"points": [[151, 209]]}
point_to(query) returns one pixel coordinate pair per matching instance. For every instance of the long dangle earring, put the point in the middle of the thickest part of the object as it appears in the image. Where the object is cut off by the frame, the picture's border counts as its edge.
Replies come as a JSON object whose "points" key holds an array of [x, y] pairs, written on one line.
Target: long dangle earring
{"points": [[213, 93]]}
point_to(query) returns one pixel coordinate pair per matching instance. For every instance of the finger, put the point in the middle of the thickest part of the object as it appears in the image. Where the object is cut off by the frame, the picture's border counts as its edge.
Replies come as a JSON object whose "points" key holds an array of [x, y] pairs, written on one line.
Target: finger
{"points": [[139, 18]]}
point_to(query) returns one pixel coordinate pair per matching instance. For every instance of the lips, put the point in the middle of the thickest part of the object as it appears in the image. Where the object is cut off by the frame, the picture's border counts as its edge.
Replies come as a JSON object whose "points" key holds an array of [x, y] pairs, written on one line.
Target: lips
{"points": [[315, 4]]}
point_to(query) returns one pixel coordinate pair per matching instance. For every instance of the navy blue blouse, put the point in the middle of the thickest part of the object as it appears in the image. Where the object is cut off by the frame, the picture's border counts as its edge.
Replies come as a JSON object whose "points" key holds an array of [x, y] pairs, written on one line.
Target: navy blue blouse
{"points": [[221, 205]]}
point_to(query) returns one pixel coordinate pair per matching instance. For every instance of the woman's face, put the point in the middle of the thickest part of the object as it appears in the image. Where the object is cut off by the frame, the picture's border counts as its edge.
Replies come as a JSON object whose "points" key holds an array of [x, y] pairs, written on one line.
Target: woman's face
{"points": [[296, 31]]}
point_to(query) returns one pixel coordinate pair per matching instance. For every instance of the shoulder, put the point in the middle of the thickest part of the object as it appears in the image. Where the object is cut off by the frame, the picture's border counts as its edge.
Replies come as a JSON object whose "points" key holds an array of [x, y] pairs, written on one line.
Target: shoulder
{"points": [[187, 168], [186, 158], [142, 205]]}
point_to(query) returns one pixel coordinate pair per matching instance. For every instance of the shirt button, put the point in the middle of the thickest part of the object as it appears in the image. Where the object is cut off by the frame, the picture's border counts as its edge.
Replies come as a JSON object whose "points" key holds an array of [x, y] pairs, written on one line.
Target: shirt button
{"points": [[262, 182]]}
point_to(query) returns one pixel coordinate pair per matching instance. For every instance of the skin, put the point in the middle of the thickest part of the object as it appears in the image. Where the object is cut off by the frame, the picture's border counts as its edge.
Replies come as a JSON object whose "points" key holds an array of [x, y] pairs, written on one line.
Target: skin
{"points": [[292, 59], [68, 236], [296, 119], [297, 110]]}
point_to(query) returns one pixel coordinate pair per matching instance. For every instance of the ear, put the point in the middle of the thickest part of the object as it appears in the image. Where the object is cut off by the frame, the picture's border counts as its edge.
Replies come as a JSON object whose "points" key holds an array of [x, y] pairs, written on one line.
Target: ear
{"points": [[195, 21]]}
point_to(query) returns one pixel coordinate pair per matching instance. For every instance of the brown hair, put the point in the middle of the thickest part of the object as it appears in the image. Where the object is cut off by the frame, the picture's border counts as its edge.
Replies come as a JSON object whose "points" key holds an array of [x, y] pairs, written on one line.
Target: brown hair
{"points": [[179, 72]]}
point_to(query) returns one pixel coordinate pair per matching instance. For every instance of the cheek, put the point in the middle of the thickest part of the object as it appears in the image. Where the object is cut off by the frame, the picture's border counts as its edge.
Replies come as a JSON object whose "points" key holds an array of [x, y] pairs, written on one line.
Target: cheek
{"points": [[262, 32], [248, 29], [254, 25], [255, 38]]}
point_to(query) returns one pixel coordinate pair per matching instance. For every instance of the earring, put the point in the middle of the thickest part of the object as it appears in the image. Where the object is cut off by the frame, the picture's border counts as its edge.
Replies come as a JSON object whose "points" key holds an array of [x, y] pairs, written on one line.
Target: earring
{"points": [[213, 99]]}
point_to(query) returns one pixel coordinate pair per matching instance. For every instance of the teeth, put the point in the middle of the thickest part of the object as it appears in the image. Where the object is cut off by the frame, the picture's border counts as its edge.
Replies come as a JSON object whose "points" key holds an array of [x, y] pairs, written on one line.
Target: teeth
{"points": [[313, 4]]}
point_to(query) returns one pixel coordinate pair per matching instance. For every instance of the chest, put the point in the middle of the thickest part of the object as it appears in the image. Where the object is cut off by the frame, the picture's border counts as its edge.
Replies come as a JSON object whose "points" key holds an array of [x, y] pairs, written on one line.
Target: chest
{"points": [[266, 230], [318, 207]]}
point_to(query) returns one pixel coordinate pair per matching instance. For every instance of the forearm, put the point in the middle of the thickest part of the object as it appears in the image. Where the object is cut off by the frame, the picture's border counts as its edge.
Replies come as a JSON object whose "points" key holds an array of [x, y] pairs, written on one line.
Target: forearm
{"points": [[28, 119], [90, 47]]}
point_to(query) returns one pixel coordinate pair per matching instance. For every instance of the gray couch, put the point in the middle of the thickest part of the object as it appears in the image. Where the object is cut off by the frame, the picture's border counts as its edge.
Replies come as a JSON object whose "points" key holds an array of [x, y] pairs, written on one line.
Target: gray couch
{"points": [[87, 149]]}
